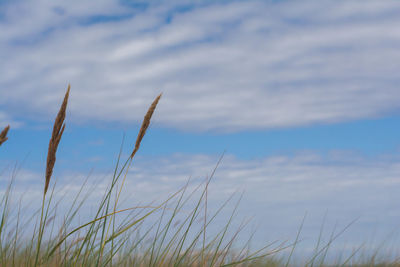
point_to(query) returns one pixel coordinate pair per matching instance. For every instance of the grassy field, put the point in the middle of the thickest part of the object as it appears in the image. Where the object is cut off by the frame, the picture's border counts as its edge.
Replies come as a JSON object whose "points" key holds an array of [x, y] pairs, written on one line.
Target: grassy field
{"points": [[155, 234]]}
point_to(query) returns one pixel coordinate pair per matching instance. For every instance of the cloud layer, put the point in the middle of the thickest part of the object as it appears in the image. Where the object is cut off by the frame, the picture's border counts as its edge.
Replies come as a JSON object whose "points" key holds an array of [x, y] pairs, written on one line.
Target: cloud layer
{"points": [[278, 191], [229, 67]]}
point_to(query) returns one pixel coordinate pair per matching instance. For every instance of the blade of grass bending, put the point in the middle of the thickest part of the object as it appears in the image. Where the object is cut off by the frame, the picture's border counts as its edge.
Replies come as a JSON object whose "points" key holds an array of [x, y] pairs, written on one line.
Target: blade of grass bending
{"points": [[91, 222], [133, 247], [156, 236], [43, 223], [225, 230], [321, 230], [16, 233], [218, 237], [322, 260], [112, 243], [204, 224], [228, 247], [193, 216], [332, 239], [166, 228], [170, 243], [296, 241], [103, 234], [246, 247], [4, 215], [182, 241], [105, 216], [254, 257], [142, 132], [351, 256], [126, 228], [197, 237], [100, 210]]}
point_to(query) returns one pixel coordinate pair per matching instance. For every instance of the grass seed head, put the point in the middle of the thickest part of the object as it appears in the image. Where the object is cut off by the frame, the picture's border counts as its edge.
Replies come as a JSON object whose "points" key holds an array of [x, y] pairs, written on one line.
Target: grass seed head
{"points": [[145, 124], [3, 135], [58, 130]]}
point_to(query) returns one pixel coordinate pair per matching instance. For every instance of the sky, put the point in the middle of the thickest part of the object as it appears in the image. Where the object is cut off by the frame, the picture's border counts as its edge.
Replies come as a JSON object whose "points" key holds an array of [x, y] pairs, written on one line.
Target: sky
{"points": [[301, 96]]}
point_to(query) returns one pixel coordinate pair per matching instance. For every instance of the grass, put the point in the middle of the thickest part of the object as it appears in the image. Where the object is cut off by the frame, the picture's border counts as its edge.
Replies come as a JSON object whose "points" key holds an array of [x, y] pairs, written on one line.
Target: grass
{"points": [[174, 232], [3, 134]]}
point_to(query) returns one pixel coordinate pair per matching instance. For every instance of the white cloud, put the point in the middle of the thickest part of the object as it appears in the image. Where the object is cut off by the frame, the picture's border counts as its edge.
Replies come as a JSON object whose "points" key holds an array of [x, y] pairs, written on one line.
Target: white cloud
{"points": [[6, 120], [227, 67]]}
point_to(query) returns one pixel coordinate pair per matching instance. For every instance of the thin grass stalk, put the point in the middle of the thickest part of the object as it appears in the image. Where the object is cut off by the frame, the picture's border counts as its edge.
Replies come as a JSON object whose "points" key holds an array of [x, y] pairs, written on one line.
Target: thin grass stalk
{"points": [[195, 210], [16, 233], [43, 223], [156, 236], [58, 130], [246, 248], [126, 228], [189, 219], [321, 230], [112, 243], [225, 230], [166, 228], [111, 214], [147, 251], [333, 238], [164, 255], [100, 210], [205, 223], [296, 241], [344, 264], [179, 259], [108, 203], [212, 218], [142, 132], [4, 217], [135, 245], [229, 244], [322, 260], [105, 201]]}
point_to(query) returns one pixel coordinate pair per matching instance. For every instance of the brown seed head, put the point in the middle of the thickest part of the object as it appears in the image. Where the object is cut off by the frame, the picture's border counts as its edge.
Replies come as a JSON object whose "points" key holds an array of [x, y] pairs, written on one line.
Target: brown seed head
{"points": [[58, 130], [145, 124], [3, 135]]}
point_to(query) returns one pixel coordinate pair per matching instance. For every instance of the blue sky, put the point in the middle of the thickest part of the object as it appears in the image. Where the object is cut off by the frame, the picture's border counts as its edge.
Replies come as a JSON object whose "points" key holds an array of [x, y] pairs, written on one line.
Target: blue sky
{"points": [[302, 96]]}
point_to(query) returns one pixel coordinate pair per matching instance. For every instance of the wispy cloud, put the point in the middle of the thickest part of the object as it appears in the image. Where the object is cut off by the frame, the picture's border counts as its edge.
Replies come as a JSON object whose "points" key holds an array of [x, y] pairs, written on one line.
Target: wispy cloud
{"points": [[5, 119], [230, 66]]}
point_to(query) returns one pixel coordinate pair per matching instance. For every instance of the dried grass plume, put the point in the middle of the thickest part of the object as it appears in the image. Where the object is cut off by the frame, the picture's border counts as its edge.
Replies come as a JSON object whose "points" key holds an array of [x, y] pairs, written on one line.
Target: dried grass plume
{"points": [[145, 124], [58, 130], [3, 135]]}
